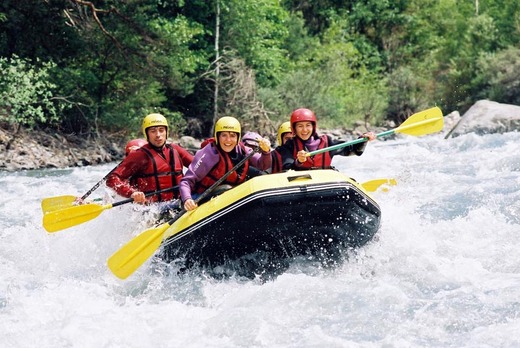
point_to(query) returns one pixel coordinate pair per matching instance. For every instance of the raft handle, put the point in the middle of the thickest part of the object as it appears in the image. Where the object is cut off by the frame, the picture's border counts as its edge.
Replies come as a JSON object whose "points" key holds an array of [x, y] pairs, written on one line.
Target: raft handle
{"points": [[299, 177]]}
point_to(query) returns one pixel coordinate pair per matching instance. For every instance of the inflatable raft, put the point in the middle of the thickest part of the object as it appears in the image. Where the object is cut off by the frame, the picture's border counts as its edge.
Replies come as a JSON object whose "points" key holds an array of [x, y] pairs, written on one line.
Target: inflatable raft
{"points": [[296, 213]]}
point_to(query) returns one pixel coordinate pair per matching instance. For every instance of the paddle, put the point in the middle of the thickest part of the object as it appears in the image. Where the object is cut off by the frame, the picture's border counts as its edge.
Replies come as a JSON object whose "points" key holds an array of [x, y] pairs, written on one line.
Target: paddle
{"points": [[60, 202], [373, 185], [132, 255], [64, 218], [422, 123]]}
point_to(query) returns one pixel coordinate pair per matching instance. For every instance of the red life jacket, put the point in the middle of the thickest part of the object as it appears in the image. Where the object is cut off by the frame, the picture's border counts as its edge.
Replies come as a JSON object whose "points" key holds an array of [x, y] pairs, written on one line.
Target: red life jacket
{"points": [[162, 172], [319, 161], [206, 142], [223, 165]]}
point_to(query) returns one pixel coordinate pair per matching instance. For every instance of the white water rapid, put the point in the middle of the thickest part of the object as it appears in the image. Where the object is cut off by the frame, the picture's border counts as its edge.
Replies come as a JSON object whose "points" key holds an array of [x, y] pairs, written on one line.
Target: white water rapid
{"points": [[443, 271]]}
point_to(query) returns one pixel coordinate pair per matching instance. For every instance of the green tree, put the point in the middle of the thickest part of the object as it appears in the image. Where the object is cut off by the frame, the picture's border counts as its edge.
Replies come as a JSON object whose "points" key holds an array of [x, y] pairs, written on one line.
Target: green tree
{"points": [[131, 64], [27, 97], [499, 76], [333, 81], [348, 60], [257, 31], [37, 29]]}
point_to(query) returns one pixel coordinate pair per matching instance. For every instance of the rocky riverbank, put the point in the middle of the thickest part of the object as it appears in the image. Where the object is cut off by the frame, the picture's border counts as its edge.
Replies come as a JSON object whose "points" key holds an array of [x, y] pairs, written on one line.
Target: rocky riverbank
{"points": [[37, 149], [24, 149]]}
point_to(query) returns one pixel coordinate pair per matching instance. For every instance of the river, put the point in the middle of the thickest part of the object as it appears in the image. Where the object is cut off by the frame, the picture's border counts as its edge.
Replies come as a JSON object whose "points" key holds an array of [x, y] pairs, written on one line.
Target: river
{"points": [[443, 270]]}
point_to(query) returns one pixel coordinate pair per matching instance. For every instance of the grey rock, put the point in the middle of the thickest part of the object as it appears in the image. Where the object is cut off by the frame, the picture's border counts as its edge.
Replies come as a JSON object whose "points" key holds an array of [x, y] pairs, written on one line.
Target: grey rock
{"points": [[486, 117]]}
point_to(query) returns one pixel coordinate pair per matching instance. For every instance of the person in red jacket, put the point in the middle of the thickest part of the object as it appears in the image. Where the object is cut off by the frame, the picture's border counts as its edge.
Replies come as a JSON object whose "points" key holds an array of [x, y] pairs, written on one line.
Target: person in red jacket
{"points": [[154, 166], [294, 152]]}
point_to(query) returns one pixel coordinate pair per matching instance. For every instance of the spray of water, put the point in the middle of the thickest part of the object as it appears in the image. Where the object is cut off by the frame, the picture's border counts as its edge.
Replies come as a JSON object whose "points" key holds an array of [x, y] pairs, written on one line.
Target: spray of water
{"points": [[442, 271]]}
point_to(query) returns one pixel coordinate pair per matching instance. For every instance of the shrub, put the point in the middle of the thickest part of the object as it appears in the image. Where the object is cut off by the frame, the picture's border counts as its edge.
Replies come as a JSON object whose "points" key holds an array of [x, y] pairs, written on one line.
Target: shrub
{"points": [[27, 97], [499, 76]]}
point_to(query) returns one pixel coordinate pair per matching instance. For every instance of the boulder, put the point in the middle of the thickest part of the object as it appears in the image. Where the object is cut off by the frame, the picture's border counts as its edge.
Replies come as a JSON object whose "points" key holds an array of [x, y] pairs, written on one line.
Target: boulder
{"points": [[486, 117], [189, 143], [450, 121]]}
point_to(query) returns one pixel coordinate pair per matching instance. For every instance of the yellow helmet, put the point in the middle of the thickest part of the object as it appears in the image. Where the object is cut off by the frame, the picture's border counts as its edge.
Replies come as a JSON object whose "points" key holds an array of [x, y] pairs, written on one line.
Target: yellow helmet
{"points": [[153, 120], [227, 124], [284, 128]]}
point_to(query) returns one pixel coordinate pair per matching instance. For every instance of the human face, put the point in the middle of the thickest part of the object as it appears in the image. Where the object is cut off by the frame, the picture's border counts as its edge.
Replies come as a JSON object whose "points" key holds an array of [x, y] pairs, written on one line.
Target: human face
{"points": [[157, 135], [227, 140], [303, 130], [286, 136]]}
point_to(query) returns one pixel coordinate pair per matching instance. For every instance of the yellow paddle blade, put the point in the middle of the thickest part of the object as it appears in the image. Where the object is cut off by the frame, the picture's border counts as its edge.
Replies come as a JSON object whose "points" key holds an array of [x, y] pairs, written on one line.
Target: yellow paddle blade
{"points": [[132, 255], [59, 202], [64, 218], [374, 185], [422, 123]]}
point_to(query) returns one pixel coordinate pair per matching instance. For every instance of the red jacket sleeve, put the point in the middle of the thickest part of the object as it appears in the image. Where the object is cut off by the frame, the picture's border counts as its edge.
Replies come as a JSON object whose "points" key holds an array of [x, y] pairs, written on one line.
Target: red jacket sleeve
{"points": [[119, 179]]}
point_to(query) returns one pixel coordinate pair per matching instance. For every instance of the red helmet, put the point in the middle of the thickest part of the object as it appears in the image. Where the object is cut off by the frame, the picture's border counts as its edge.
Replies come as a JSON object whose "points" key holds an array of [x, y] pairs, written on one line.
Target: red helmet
{"points": [[134, 144], [302, 114]]}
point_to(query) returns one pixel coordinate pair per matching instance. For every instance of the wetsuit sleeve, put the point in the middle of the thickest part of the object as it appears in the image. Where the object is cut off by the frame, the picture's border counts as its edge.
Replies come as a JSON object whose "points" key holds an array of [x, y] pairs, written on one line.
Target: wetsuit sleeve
{"points": [[184, 154], [119, 179], [203, 161], [262, 161], [286, 152]]}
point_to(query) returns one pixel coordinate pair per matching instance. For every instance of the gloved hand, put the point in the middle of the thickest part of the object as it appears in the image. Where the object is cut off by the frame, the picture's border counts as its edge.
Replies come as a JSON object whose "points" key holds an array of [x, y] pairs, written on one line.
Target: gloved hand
{"points": [[265, 145]]}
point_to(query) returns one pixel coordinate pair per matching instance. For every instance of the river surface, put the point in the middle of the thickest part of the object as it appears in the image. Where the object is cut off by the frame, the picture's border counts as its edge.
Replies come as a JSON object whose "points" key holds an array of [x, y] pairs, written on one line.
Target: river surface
{"points": [[443, 271]]}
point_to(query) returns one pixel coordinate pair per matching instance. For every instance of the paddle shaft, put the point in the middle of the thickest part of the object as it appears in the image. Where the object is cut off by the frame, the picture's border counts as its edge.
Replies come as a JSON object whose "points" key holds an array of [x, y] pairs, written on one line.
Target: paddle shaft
{"points": [[77, 214], [94, 188], [132, 255], [410, 123], [353, 142], [217, 183], [128, 200]]}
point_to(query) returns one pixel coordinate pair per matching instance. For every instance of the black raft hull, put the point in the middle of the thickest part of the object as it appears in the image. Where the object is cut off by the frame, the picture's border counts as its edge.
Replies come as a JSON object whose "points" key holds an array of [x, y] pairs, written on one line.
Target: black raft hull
{"points": [[317, 213]]}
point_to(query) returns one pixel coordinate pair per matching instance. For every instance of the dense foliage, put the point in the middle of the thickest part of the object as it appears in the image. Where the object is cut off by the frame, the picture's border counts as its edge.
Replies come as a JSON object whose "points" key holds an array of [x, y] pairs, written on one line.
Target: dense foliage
{"points": [[82, 66]]}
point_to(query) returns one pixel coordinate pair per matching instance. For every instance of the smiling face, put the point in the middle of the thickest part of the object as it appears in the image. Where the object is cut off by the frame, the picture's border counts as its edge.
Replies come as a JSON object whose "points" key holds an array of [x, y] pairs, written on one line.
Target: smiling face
{"points": [[304, 130], [157, 135], [227, 140]]}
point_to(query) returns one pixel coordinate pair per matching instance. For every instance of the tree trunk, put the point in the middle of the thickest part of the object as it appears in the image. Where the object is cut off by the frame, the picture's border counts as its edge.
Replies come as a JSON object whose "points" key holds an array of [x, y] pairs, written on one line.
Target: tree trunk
{"points": [[217, 68]]}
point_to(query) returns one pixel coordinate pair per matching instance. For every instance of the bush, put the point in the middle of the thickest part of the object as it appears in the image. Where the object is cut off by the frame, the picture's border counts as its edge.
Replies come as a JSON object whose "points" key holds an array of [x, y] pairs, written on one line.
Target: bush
{"points": [[499, 76], [407, 93], [26, 94], [339, 96]]}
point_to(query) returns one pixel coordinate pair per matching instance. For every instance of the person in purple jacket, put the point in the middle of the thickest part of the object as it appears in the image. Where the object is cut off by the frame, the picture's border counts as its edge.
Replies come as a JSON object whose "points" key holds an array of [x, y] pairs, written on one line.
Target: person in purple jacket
{"points": [[215, 159]]}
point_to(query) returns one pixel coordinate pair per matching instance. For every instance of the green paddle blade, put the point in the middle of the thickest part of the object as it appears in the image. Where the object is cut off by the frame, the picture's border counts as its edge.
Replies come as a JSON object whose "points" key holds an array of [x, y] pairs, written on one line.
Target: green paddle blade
{"points": [[132, 255], [374, 185], [64, 218], [56, 203]]}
